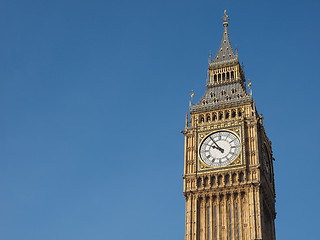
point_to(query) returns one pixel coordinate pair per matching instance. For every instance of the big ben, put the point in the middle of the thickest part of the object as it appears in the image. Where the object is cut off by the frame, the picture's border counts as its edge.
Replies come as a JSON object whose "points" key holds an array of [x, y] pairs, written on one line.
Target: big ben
{"points": [[228, 164]]}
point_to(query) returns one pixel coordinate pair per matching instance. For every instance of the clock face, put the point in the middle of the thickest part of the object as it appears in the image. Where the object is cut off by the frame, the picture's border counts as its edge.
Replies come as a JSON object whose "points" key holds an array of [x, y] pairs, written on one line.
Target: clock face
{"points": [[220, 148]]}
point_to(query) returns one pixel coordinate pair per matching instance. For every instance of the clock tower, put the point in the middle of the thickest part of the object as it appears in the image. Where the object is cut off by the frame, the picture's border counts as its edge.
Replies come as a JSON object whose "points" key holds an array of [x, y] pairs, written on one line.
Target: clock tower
{"points": [[228, 165]]}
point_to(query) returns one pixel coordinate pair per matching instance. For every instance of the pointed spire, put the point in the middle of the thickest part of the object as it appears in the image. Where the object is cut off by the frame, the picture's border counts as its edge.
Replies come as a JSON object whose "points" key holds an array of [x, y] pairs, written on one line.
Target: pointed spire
{"points": [[225, 53]]}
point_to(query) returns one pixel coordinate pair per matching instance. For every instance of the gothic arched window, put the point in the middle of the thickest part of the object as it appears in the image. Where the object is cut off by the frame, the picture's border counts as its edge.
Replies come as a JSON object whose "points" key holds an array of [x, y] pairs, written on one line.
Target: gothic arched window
{"points": [[213, 180], [199, 182], [227, 179], [241, 177], [214, 117], [233, 114]]}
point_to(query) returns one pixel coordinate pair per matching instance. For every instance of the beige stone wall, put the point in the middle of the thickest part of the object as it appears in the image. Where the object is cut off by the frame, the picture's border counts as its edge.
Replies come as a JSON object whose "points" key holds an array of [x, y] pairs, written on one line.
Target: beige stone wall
{"points": [[220, 209]]}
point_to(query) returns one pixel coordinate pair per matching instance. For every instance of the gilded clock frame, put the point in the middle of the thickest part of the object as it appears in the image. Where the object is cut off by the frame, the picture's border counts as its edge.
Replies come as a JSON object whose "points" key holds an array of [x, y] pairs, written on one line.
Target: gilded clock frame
{"points": [[238, 161]]}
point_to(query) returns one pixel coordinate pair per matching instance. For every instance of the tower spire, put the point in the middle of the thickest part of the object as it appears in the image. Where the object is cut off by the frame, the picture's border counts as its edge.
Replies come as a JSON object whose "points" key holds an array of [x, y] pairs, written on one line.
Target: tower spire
{"points": [[225, 53]]}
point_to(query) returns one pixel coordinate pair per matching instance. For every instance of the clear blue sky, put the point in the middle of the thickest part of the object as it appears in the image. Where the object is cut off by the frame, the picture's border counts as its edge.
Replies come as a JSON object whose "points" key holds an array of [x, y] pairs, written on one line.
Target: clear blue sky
{"points": [[93, 96]]}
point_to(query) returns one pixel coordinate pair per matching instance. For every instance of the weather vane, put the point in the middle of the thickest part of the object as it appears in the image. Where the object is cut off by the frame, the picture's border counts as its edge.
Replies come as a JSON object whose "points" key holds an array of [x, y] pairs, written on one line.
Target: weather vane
{"points": [[225, 17]]}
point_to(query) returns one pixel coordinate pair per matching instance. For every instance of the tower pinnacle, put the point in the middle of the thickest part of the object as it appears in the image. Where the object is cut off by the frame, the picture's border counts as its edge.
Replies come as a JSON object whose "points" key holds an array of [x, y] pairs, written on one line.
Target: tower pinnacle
{"points": [[225, 53]]}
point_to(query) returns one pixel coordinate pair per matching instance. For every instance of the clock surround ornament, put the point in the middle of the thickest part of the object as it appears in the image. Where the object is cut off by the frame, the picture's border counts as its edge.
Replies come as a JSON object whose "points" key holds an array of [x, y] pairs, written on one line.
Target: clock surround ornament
{"points": [[220, 148]]}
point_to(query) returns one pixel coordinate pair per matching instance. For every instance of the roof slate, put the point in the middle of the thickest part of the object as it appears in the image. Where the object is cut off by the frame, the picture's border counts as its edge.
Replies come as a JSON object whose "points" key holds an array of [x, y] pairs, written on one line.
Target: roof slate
{"points": [[225, 53], [222, 95]]}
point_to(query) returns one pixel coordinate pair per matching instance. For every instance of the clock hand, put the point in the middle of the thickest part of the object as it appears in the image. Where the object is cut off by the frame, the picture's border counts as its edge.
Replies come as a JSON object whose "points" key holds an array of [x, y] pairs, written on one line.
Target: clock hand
{"points": [[217, 146]]}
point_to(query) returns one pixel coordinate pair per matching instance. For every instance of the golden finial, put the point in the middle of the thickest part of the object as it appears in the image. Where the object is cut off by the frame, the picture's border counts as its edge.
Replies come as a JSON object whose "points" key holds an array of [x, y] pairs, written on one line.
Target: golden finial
{"points": [[191, 95], [249, 86], [225, 17]]}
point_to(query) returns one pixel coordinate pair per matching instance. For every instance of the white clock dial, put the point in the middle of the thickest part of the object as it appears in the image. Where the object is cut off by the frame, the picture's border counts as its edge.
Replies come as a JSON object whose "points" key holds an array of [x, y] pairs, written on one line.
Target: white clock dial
{"points": [[220, 149]]}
